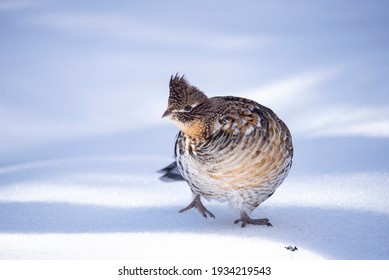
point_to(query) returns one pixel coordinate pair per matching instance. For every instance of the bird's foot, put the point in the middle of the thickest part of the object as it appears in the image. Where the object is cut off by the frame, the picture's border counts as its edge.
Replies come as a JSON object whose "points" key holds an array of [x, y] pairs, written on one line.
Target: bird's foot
{"points": [[245, 219], [196, 203]]}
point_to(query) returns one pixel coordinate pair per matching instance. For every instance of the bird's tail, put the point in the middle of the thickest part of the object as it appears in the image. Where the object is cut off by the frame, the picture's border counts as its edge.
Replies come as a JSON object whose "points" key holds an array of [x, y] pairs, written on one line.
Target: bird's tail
{"points": [[171, 173]]}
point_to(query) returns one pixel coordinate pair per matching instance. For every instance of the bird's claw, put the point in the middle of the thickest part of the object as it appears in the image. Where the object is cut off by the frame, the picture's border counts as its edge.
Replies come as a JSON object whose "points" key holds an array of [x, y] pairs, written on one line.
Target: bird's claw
{"points": [[245, 219], [196, 203]]}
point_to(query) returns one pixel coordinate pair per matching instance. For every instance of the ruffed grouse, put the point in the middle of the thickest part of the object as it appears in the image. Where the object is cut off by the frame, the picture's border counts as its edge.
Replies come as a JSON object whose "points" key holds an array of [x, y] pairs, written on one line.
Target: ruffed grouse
{"points": [[229, 149]]}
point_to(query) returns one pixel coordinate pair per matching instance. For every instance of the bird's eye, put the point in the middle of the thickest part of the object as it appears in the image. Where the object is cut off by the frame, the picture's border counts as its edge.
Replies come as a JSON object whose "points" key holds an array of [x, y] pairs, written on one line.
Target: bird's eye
{"points": [[188, 108]]}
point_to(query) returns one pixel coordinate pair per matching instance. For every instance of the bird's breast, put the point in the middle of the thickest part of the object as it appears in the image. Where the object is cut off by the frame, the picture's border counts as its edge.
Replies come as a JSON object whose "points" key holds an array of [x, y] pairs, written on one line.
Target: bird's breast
{"points": [[238, 155]]}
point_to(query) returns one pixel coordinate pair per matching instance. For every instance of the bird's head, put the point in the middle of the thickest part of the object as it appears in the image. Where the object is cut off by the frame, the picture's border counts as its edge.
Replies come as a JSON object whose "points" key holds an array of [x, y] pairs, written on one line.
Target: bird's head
{"points": [[188, 107]]}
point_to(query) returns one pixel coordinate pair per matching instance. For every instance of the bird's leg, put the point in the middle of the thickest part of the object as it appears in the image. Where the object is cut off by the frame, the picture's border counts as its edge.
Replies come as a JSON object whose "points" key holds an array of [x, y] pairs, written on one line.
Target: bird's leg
{"points": [[245, 219], [196, 203]]}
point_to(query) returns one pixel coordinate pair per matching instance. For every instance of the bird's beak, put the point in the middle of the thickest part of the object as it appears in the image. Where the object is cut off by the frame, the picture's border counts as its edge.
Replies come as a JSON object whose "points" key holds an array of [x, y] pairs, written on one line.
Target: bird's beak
{"points": [[167, 114]]}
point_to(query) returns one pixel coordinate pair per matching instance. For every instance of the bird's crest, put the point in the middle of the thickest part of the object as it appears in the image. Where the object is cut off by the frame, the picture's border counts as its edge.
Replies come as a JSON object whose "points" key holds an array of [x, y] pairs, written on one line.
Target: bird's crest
{"points": [[178, 87]]}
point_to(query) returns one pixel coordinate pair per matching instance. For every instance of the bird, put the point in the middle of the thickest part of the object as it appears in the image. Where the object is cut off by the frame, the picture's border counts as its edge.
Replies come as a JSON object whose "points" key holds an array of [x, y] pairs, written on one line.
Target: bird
{"points": [[228, 148]]}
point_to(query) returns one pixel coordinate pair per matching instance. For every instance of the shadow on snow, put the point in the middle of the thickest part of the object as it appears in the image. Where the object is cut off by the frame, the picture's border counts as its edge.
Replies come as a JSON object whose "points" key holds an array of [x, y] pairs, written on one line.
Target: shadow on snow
{"points": [[335, 233]]}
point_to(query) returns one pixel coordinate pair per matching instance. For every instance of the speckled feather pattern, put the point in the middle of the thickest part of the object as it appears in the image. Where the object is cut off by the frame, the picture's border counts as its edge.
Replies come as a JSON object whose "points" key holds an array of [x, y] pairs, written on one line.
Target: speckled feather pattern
{"points": [[246, 156]]}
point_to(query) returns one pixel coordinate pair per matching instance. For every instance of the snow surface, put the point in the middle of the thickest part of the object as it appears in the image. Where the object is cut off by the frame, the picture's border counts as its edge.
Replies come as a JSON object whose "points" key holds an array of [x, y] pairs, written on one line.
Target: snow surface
{"points": [[82, 90]]}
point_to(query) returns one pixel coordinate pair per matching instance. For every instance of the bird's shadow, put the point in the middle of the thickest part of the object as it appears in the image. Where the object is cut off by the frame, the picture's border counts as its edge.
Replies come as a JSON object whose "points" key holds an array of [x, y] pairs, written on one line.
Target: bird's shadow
{"points": [[334, 233]]}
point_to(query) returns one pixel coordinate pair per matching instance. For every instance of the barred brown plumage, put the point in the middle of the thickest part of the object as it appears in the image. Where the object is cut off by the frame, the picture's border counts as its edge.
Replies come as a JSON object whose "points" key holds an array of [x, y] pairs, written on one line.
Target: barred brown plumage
{"points": [[229, 149]]}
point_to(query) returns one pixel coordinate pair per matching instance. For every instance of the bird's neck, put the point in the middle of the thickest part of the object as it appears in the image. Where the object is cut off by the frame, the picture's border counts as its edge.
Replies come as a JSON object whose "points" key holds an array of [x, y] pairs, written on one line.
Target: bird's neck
{"points": [[198, 131]]}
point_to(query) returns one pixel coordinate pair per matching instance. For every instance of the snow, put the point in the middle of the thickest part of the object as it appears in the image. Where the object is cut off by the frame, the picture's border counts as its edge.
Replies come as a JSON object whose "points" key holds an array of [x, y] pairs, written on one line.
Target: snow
{"points": [[82, 91]]}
